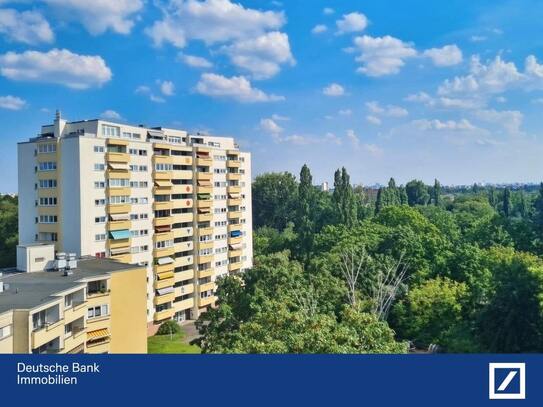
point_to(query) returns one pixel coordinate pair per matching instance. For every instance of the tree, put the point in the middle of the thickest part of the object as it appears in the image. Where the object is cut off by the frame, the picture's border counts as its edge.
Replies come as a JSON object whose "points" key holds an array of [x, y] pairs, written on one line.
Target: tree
{"points": [[344, 198], [304, 223], [379, 204], [8, 230], [274, 200], [436, 192], [538, 211], [417, 193], [506, 202]]}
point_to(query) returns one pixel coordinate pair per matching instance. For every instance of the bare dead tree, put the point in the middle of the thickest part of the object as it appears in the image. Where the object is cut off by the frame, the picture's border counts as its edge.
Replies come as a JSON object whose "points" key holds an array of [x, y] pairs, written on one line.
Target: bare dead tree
{"points": [[351, 266], [306, 300], [389, 280]]}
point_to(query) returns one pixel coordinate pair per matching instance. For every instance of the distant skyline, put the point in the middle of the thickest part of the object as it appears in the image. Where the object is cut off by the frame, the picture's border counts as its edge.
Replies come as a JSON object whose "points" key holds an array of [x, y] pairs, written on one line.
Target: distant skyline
{"points": [[410, 90]]}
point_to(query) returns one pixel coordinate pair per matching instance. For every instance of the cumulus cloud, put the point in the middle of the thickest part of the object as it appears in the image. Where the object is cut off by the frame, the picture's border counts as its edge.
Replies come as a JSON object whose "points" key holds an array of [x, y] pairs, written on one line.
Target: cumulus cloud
{"points": [[167, 88], [334, 90], [28, 27], [111, 115], [352, 22], [270, 126], [56, 66], [445, 102], [279, 118], [389, 110], [509, 120], [373, 120], [345, 112], [445, 56], [261, 56], [194, 61], [99, 16], [12, 102], [372, 149], [237, 87], [381, 56], [211, 21], [450, 125], [319, 29], [328, 11], [146, 90]]}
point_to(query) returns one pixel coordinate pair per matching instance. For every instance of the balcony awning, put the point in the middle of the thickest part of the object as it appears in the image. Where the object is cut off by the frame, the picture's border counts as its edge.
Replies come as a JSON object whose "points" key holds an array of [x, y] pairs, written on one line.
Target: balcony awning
{"points": [[236, 246], [202, 154], [98, 334], [163, 228], [119, 216], [117, 166], [163, 183], [235, 233], [204, 211], [165, 275], [164, 291], [165, 260], [203, 196], [204, 183], [120, 250], [155, 133], [232, 195], [119, 234]]}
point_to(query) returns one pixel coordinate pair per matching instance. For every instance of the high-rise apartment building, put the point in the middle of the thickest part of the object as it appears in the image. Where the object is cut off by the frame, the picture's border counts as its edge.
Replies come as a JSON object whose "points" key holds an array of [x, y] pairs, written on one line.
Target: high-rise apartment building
{"points": [[61, 304], [177, 203]]}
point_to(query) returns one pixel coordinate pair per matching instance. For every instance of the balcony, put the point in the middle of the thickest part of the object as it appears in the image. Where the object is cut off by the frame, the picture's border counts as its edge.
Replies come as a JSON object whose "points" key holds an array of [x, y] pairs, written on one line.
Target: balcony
{"points": [[204, 175], [204, 161], [204, 302], [184, 261], [122, 191], [205, 259], [234, 215], [163, 268], [205, 231], [184, 246], [207, 286], [182, 189], [233, 163], [163, 252], [204, 217], [164, 205], [167, 282], [163, 299], [233, 176], [183, 305], [184, 275], [77, 311], [121, 208], [234, 227], [117, 157], [235, 240], [182, 159], [182, 174], [162, 175], [75, 340], [184, 290], [234, 253], [122, 258], [47, 333], [182, 232], [204, 245], [165, 314], [204, 189], [206, 273], [119, 225], [233, 189], [234, 266], [182, 203], [165, 221], [162, 159], [204, 203], [234, 202]]}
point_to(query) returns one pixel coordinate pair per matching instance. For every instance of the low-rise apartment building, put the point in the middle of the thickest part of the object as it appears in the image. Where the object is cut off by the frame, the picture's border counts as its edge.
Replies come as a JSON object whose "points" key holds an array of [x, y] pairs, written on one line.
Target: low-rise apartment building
{"points": [[178, 204], [72, 305]]}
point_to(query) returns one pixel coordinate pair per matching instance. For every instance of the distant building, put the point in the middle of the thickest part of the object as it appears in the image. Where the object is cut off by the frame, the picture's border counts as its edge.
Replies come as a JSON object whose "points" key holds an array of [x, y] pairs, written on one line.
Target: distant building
{"points": [[60, 304], [324, 186]]}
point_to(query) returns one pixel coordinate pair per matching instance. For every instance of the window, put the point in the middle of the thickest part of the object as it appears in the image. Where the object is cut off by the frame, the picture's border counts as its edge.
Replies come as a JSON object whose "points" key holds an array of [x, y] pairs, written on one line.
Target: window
{"points": [[99, 149], [99, 184], [205, 252], [138, 168], [138, 233], [99, 202], [48, 183], [110, 131], [47, 148], [48, 166], [5, 331], [118, 182], [48, 218], [48, 201], [163, 167], [99, 167], [98, 311], [100, 237], [121, 199], [100, 219], [164, 244]]}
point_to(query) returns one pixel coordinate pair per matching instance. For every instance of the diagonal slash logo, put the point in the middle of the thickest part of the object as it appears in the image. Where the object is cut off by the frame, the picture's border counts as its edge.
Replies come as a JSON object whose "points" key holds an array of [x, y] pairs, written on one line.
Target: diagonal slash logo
{"points": [[507, 381]]}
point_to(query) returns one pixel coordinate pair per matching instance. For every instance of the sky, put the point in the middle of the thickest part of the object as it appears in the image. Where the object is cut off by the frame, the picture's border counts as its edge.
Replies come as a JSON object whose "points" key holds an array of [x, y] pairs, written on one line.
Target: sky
{"points": [[406, 89]]}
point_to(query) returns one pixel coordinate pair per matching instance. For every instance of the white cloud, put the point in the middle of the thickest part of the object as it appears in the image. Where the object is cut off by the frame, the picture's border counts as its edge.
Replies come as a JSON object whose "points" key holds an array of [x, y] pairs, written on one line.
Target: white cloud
{"points": [[211, 21], [261, 56], [236, 87], [332, 138], [270, 126], [373, 149], [445, 56], [445, 102], [167, 88], [389, 110], [334, 90], [373, 120], [328, 11], [28, 27], [450, 125], [99, 16], [353, 138], [56, 66], [478, 38], [319, 29], [501, 99], [345, 112], [381, 56], [538, 101], [280, 118], [509, 120], [146, 90], [352, 22], [194, 61], [111, 115], [12, 102]]}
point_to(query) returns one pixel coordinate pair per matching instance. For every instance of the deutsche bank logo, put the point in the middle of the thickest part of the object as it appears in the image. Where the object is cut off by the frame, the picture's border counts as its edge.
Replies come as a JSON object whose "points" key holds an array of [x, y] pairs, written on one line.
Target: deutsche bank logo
{"points": [[507, 381]]}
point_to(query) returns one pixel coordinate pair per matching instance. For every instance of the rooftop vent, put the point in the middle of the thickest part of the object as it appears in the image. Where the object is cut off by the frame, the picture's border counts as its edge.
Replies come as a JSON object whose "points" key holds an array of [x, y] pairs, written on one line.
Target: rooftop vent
{"points": [[60, 262]]}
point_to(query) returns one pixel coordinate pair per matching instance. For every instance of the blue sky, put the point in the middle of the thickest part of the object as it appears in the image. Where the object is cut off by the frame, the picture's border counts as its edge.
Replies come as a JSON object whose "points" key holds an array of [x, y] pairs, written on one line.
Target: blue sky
{"points": [[410, 89]]}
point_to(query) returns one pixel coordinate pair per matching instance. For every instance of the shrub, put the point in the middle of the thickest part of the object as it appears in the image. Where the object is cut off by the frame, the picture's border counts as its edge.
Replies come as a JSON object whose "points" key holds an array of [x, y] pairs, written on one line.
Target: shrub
{"points": [[168, 328]]}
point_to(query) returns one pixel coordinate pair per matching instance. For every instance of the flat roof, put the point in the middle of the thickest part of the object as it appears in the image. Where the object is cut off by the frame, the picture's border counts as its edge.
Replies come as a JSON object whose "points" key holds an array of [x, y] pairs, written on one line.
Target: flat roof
{"points": [[30, 290]]}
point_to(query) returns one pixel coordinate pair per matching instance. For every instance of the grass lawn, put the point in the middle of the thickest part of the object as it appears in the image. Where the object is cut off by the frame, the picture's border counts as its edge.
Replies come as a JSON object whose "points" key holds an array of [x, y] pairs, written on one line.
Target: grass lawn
{"points": [[167, 344]]}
